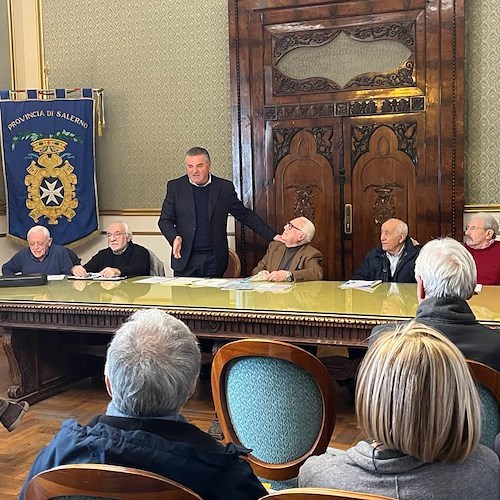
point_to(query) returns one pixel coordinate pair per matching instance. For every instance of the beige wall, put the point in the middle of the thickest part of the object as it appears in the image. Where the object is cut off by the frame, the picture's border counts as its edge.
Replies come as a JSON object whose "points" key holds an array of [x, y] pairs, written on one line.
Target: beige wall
{"points": [[482, 97]]}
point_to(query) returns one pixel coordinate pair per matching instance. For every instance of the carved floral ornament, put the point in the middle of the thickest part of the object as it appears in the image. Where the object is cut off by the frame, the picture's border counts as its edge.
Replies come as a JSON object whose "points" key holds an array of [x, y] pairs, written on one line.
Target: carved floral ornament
{"points": [[340, 59]]}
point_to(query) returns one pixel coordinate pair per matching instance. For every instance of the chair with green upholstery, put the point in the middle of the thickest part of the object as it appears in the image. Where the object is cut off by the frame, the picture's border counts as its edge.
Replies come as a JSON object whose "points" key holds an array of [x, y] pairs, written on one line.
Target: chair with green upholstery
{"points": [[277, 400], [488, 385]]}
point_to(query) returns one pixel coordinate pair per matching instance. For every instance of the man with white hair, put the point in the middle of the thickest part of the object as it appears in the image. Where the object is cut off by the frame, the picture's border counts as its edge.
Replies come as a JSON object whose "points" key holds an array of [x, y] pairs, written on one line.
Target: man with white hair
{"points": [[480, 234], [122, 257], [446, 277], [294, 259], [152, 367], [392, 260], [41, 256]]}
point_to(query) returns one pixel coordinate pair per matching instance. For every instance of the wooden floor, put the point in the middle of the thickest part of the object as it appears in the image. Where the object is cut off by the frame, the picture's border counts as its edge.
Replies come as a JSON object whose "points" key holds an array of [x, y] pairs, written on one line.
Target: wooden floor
{"points": [[19, 448]]}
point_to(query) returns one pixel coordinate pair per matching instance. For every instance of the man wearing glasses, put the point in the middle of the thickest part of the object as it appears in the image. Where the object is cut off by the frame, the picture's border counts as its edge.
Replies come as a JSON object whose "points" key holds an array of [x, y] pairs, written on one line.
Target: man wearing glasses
{"points": [[294, 259], [121, 258], [480, 236]]}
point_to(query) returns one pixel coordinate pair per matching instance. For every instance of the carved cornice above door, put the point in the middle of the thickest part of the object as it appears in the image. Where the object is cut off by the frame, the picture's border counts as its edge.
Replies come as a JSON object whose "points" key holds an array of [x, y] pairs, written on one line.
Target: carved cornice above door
{"points": [[346, 108]]}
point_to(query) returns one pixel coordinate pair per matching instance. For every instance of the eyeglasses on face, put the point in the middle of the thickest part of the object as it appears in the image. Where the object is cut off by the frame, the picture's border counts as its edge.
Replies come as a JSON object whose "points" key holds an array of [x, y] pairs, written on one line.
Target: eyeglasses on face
{"points": [[473, 228], [289, 226], [116, 234]]}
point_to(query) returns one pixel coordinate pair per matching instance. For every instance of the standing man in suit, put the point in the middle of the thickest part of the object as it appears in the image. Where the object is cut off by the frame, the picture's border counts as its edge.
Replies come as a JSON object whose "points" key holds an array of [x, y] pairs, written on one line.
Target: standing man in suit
{"points": [[194, 218]]}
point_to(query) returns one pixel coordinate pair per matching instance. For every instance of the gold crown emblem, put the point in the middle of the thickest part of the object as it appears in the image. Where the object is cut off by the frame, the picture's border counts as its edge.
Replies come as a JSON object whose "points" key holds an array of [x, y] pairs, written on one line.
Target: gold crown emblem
{"points": [[49, 145]]}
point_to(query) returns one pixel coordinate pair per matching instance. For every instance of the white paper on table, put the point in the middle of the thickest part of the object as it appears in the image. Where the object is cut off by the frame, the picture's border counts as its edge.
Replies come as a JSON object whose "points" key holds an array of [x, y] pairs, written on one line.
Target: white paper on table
{"points": [[154, 279], [55, 277]]}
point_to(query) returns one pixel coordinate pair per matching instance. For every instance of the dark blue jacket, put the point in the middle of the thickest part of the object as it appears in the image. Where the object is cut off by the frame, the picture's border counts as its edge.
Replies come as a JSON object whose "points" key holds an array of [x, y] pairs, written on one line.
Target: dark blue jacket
{"points": [[376, 265], [177, 450]]}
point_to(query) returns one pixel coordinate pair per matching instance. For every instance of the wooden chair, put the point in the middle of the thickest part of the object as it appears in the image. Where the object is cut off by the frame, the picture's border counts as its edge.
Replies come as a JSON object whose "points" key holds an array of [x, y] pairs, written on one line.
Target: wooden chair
{"points": [[488, 380], [103, 482], [233, 269], [276, 399], [322, 493]]}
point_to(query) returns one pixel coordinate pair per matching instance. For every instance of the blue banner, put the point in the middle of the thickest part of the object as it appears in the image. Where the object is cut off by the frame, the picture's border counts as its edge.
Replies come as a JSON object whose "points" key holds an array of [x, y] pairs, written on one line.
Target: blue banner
{"points": [[48, 156]]}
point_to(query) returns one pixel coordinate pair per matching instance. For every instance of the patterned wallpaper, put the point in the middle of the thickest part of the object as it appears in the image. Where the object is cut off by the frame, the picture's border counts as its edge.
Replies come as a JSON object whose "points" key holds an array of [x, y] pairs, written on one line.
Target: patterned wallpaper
{"points": [[164, 68], [482, 98]]}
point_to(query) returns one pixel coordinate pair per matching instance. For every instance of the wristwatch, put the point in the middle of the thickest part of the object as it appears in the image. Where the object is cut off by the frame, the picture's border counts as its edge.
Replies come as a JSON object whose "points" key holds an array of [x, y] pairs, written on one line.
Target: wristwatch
{"points": [[289, 277]]}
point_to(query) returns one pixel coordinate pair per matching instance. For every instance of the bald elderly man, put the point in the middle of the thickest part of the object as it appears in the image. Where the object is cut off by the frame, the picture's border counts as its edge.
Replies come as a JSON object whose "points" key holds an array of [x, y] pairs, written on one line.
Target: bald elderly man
{"points": [[392, 260], [41, 256], [294, 259], [480, 236]]}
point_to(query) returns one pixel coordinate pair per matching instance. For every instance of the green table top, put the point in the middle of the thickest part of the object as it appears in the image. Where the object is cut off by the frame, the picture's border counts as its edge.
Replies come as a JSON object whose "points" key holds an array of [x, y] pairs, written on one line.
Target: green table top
{"points": [[318, 297]]}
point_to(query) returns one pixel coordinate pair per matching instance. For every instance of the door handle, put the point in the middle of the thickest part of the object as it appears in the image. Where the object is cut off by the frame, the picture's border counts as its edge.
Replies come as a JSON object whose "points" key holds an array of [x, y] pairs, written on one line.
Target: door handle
{"points": [[348, 218]]}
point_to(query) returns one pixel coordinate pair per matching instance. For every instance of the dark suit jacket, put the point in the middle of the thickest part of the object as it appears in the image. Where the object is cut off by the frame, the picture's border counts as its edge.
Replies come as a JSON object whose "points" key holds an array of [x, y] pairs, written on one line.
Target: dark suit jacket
{"points": [[305, 264], [178, 218], [376, 265]]}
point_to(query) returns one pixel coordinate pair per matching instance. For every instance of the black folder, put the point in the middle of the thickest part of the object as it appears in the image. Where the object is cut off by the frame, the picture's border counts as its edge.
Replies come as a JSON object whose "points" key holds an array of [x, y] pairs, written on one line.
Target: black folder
{"points": [[23, 280]]}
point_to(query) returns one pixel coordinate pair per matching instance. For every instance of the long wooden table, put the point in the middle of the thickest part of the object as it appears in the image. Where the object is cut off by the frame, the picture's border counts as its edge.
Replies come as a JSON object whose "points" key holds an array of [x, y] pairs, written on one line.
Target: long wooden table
{"points": [[51, 331]]}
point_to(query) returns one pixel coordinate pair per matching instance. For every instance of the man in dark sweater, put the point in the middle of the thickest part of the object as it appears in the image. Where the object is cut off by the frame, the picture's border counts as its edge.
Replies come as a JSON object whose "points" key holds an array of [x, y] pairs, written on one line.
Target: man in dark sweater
{"points": [[194, 218], [121, 258], [151, 370], [446, 277], [41, 256]]}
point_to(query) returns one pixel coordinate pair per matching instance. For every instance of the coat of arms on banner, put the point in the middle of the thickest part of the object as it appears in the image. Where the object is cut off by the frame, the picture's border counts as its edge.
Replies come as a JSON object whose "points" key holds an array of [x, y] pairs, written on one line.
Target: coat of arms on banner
{"points": [[48, 156]]}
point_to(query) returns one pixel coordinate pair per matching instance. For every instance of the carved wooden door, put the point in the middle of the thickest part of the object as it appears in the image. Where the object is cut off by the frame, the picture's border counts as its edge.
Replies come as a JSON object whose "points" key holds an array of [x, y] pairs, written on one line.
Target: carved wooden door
{"points": [[348, 113]]}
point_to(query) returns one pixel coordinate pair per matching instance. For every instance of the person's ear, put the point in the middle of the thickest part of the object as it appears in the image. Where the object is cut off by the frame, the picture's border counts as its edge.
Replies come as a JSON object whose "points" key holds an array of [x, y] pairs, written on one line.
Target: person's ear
{"points": [[108, 386], [420, 290], [50, 242]]}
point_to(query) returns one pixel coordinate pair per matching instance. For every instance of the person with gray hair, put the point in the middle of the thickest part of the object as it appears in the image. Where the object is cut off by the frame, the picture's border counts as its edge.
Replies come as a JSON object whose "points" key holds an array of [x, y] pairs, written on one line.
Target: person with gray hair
{"points": [[293, 259], [392, 260], [151, 370], [480, 240], [123, 257], [41, 256], [446, 277]]}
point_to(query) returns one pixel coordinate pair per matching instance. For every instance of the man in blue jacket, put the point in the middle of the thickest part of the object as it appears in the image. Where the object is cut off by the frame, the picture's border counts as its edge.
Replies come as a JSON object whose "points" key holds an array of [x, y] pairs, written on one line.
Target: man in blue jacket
{"points": [[394, 259], [152, 368]]}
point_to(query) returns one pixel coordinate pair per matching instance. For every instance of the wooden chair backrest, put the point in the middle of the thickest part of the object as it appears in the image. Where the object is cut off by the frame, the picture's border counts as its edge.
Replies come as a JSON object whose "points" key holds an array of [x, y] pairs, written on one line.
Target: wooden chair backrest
{"points": [[322, 493], [105, 481], [486, 376], [284, 351], [233, 269]]}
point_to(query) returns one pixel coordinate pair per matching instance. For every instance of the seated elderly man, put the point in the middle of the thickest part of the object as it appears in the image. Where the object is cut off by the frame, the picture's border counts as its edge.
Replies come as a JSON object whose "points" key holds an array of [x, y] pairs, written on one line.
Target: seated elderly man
{"points": [[480, 236], [151, 370], [394, 259], [121, 258], [446, 277], [40, 257], [294, 259]]}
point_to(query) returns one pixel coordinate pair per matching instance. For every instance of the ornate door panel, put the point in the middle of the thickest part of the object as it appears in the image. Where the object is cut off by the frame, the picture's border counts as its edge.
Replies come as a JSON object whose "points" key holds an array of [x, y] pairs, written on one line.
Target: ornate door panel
{"points": [[386, 158], [304, 181], [348, 113]]}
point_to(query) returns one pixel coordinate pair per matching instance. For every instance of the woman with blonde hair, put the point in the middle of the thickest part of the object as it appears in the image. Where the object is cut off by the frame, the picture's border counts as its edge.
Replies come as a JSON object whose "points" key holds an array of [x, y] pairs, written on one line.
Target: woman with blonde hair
{"points": [[418, 404]]}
